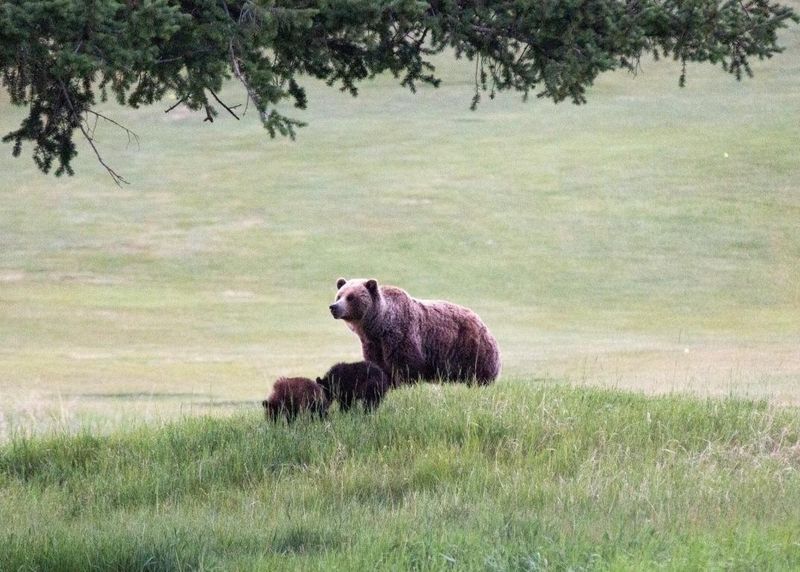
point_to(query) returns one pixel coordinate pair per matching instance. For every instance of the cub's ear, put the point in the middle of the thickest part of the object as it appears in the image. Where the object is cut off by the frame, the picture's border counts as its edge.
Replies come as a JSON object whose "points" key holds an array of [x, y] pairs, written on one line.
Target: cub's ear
{"points": [[340, 282], [319, 380], [372, 286]]}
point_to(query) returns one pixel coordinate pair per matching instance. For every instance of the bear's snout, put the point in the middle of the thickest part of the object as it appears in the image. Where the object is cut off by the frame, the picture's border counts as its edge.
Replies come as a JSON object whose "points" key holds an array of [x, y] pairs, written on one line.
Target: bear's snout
{"points": [[335, 312]]}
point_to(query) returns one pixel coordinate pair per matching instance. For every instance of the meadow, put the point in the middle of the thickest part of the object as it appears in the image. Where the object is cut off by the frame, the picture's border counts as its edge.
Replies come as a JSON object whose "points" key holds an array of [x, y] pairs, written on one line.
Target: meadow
{"points": [[509, 477], [638, 259]]}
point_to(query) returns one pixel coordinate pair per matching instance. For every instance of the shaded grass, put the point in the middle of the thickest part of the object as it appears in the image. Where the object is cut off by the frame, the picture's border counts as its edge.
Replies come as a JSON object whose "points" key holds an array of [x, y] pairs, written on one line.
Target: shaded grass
{"points": [[512, 477]]}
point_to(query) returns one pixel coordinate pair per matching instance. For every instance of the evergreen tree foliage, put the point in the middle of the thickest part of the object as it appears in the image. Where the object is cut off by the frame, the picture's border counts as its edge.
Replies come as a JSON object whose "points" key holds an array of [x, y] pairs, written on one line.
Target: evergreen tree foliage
{"points": [[60, 57]]}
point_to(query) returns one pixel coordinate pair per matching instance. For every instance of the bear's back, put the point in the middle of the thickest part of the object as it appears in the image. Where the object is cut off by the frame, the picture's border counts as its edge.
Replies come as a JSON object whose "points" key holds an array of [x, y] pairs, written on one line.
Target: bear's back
{"points": [[352, 375], [299, 390], [452, 340]]}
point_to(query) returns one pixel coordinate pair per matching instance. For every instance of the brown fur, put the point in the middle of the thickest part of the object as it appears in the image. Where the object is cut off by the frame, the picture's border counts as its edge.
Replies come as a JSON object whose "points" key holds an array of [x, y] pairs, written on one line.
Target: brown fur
{"points": [[294, 395], [350, 382], [411, 339]]}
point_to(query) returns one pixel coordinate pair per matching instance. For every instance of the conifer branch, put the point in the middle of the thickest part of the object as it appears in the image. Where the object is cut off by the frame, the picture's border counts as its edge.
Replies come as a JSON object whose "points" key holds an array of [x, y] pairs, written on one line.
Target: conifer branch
{"points": [[55, 57], [129, 132], [251, 93], [171, 107], [229, 109], [116, 177]]}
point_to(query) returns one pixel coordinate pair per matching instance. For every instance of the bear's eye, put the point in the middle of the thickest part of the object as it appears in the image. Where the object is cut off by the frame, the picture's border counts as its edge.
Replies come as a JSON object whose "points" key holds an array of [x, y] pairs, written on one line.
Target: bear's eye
{"points": [[338, 297], [350, 297]]}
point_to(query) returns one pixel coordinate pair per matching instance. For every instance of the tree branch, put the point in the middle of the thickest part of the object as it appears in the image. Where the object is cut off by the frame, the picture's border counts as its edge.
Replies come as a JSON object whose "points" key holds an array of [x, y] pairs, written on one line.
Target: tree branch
{"points": [[116, 177], [251, 93], [230, 109], [171, 107], [129, 132]]}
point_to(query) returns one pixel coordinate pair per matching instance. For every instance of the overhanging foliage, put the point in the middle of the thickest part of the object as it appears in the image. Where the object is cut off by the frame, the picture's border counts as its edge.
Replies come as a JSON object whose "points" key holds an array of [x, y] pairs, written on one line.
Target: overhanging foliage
{"points": [[60, 57]]}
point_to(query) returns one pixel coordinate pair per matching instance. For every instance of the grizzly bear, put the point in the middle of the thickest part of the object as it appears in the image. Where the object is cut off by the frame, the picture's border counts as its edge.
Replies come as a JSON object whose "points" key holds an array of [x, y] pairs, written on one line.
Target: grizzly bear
{"points": [[360, 381], [412, 339], [294, 395]]}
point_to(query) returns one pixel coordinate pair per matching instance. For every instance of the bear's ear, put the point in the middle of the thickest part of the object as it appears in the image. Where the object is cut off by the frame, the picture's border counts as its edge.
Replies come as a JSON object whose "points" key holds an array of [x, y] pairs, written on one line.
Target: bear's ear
{"points": [[372, 286], [319, 380], [340, 282]]}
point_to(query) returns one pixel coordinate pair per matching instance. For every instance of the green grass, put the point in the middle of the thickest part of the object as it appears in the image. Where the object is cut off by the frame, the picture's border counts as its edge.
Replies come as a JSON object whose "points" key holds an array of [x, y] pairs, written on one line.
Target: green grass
{"points": [[519, 476]]}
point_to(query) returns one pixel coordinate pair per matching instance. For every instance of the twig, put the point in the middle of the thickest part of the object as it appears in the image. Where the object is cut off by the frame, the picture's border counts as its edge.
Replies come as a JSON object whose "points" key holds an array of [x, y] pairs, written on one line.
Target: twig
{"points": [[168, 60], [234, 63], [746, 11], [94, 127], [116, 177], [129, 132], [230, 109], [181, 100], [251, 94]]}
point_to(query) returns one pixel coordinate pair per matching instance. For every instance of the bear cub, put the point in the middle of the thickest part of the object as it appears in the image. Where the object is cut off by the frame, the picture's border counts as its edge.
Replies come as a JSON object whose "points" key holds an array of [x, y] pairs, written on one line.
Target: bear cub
{"points": [[359, 381], [294, 395]]}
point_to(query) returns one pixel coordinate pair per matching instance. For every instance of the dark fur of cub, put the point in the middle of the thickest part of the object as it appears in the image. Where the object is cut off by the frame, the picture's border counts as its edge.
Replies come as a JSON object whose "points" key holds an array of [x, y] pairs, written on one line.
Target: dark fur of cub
{"points": [[350, 382], [294, 395]]}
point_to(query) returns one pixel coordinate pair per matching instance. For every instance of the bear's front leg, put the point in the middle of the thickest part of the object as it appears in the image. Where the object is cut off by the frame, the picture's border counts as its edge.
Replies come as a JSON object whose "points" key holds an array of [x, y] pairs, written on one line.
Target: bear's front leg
{"points": [[372, 352], [404, 364]]}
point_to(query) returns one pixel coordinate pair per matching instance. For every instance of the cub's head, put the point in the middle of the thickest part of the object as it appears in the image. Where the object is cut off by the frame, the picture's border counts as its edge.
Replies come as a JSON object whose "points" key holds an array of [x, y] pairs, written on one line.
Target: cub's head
{"points": [[325, 384], [354, 298]]}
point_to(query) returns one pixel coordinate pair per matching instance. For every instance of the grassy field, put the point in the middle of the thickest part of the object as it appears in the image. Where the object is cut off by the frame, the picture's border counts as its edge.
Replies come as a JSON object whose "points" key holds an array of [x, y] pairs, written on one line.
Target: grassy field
{"points": [[648, 240], [509, 477], [625, 253]]}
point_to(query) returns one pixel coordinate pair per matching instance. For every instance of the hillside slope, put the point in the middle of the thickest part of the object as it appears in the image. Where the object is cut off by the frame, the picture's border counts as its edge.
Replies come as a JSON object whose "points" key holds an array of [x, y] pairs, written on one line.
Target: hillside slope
{"points": [[519, 476]]}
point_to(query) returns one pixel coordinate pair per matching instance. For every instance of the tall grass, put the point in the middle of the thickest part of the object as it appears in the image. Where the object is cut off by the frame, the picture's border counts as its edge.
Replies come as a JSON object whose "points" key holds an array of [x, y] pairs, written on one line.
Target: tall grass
{"points": [[518, 476]]}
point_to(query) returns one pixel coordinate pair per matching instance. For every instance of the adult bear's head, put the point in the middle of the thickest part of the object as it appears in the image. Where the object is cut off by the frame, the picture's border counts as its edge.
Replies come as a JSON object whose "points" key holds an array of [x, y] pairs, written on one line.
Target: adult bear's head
{"points": [[354, 298]]}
